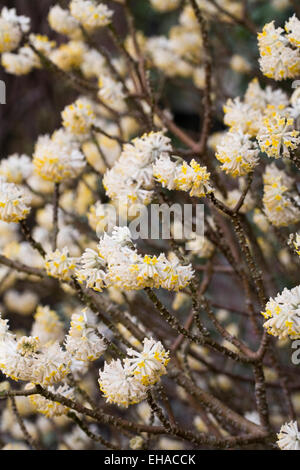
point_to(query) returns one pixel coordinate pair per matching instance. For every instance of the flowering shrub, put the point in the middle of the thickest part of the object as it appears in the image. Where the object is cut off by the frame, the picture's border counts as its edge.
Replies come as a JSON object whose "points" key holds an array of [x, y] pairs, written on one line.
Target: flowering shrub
{"points": [[188, 337]]}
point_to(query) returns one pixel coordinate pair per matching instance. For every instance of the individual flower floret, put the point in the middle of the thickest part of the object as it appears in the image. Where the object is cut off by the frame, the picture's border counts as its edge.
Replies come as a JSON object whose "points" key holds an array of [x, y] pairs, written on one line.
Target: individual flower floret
{"points": [[92, 270], [283, 314], [277, 137], [150, 146], [164, 171], [83, 342], [52, 365], [63, 22], [27, 345], [57, 159], [288, 437], [13, 202], [119, 386], [59, 265], [51, 408], [111, 92], [11, 28], [90, 14], [150, 364], [79, 117], [237, 153]]}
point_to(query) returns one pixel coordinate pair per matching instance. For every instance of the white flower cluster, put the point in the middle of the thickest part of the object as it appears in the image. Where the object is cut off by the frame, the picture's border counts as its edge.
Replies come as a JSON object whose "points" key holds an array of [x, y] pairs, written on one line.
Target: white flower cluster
{"points": [[117, 263], [79, 117], [277, 137], [58, 158], [288, 437], [90, 14], [278, 198], [16, 168], [59, 264], [126, 384], [20, 63], [280, 54], [283, 314], [237, 153], [28, 360], [264, 115], [50, 408], [63, 22], [175, 54], [14, 202], [131, 179], [192, 177], [83, 342], [12, 28]]}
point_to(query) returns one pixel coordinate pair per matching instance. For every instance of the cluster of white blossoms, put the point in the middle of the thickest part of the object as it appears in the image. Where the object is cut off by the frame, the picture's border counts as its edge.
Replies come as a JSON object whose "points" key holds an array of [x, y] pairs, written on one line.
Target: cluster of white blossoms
{"points": [[69, 56], [50, 408], [288, 437], [63, 22], [84, 341], [28, 360], [117, 263], [280, 202], [183, 176], [92, 270], [12, 28], [279, 52], [59, 264], [127, 383], [130, 180], [283, 314], [278, 137], [79, 117], [175, 54], [58, 158], [20, 63], [91, 14], [111, 92], [237, 153], [16, 168], [14, 202], [264, 121]]}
